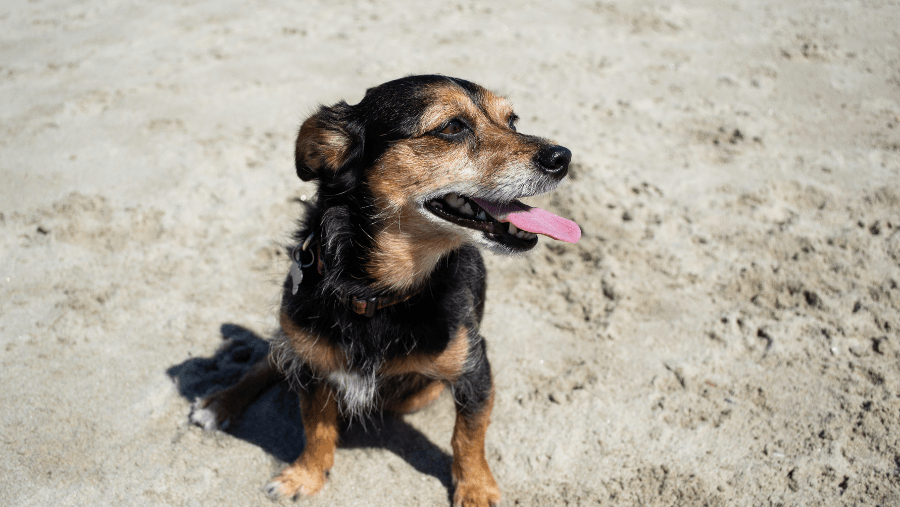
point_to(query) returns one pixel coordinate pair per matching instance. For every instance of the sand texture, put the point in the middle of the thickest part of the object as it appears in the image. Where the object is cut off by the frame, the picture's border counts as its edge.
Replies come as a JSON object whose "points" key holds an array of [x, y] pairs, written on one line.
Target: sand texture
{"points": [[726, 332]]}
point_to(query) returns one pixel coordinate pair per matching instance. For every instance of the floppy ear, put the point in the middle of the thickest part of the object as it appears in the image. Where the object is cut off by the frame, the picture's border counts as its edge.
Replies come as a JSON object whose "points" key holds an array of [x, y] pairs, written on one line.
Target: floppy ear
{"points": [[326, 142]]}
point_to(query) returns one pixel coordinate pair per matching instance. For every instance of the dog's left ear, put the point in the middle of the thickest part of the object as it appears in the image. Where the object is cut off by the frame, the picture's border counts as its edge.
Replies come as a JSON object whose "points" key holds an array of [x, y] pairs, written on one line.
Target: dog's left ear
{"points": [[327, 141]]}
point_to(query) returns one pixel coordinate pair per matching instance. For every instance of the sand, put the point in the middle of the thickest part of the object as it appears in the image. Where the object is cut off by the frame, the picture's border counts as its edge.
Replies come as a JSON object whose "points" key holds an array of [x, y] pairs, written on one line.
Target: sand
{"points": [[726, 333]]}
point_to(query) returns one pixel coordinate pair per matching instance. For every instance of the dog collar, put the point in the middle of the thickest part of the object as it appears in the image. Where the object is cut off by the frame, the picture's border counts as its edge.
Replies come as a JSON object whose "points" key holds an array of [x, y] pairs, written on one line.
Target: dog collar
{"points": [[302, 257], [367, 306]]}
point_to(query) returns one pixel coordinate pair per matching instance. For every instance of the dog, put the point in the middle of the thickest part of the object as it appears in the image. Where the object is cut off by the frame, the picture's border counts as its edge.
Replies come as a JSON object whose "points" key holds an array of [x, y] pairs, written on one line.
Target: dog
{"points": [[382, 305]]}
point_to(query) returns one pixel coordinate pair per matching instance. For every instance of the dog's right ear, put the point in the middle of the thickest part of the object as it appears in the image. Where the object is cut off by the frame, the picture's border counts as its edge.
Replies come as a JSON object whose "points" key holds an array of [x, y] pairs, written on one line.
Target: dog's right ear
{"points": [[326, 142]]}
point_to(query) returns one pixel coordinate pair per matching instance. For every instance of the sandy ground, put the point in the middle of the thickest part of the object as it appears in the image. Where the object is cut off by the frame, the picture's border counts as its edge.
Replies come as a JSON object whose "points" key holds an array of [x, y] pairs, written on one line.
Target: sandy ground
{"points": [[726, 333]]}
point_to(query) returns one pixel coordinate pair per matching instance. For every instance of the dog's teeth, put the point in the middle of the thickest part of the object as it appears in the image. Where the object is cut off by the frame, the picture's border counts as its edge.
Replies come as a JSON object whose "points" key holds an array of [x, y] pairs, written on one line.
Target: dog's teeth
{"points": [[481, 215], [520, 234], [453, 200], [467, 209], [513, 229]]}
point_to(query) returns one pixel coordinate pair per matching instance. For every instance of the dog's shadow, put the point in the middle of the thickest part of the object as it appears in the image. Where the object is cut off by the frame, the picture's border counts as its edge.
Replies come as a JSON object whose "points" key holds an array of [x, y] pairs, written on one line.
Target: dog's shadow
{"points": [[274, 423]]}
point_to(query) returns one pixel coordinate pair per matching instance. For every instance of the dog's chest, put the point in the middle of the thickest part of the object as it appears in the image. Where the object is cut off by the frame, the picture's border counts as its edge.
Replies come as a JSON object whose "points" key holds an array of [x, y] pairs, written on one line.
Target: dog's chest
{"points": [[356, 390]]}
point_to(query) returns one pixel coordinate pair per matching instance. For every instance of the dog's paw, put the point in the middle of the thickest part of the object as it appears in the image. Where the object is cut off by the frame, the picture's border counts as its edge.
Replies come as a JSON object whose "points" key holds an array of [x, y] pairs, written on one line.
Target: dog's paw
{"points": [[473, 494], [296, 480], [207, 417]]}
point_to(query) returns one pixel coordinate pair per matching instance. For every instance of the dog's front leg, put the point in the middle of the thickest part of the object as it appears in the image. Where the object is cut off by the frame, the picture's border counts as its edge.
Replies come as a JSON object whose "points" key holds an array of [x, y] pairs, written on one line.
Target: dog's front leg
{"points": [[221, 407], [307, 474], [474, 395]]}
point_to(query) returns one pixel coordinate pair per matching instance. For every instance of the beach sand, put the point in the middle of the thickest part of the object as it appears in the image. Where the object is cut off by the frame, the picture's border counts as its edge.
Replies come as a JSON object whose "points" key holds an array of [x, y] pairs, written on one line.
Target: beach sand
{"points": [[726, 332]]}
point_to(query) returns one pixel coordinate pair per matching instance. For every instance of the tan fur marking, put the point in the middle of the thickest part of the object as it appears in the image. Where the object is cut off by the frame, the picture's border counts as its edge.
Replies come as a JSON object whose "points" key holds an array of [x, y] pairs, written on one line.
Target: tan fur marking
{"points": [[312, 350], [509, 157], [306, 475], [407, 249], [415, 167], [319, 146], [419, 400], [448, 101], [446, 365], [498, 108], [475, 484]]}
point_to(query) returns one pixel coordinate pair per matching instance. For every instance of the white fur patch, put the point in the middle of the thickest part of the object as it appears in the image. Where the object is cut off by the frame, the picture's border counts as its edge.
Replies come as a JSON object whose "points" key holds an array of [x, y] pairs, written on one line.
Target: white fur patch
{"points": [[357, 392], [203, 417]]}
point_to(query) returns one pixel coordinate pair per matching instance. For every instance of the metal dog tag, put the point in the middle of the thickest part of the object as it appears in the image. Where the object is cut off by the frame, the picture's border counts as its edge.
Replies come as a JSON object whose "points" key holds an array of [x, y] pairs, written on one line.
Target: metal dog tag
{"points": [[297, 263], [296, 276]]}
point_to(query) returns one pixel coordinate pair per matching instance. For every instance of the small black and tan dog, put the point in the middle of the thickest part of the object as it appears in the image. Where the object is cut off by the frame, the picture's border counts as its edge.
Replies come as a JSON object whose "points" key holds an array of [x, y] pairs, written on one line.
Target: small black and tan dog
{"points": [[386, 292]]}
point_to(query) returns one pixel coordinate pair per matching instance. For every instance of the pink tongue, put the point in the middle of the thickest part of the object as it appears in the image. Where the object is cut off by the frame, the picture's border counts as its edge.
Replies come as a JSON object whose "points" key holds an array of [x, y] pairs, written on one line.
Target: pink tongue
{"points": [[533, 220]]}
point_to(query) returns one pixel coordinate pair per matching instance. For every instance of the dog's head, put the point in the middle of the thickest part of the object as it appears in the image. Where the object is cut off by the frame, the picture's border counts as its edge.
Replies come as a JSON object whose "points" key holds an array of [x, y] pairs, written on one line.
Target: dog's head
{"points": [[439, 159]]}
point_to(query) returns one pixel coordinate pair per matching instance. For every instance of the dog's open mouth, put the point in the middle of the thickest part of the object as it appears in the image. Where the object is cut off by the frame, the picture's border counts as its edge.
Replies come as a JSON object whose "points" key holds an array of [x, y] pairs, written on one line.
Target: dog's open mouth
{"points": [[514, 225]]}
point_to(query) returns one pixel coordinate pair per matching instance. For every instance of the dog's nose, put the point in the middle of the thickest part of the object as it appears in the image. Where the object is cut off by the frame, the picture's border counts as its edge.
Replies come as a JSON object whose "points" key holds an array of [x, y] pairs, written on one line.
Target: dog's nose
{"points": [[554, 160]]}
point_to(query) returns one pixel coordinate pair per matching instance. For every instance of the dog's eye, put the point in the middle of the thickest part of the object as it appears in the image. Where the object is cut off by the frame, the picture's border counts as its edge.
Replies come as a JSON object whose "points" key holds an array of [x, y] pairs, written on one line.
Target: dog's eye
{"points": [[452, 128]]}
